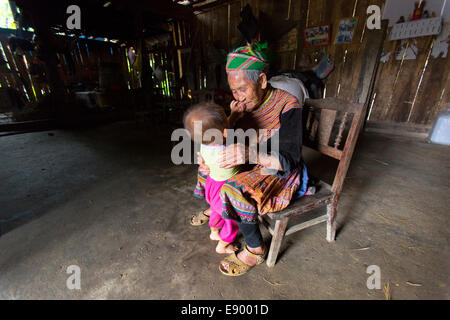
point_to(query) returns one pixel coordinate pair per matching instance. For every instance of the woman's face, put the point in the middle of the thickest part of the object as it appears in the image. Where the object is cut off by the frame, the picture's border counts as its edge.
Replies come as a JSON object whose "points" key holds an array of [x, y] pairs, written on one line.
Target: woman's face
{"points": [[248, 93]]}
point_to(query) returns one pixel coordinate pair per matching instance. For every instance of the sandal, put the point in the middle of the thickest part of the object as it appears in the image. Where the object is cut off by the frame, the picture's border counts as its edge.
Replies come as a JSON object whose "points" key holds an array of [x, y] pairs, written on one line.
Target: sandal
{"points": [[236, 267], [202, 218]]}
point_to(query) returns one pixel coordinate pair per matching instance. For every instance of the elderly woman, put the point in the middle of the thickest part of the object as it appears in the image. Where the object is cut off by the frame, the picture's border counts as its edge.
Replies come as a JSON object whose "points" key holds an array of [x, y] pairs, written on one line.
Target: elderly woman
{"points": [[257, 105]]}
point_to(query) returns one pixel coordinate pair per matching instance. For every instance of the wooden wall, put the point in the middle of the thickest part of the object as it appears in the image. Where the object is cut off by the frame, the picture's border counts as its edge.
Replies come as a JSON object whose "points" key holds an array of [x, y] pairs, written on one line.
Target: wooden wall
{"points": [[354, 63], [86, 55], [395, 91], [397, 95], [15, 74], [220, 23], [411, 91]]}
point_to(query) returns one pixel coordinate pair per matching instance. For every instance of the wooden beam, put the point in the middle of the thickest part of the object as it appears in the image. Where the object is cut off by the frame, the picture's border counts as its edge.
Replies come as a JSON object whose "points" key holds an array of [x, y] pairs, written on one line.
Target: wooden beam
{"points": [[209, 4], [334, 104], [329, 151], [306, 224], [163, 8], [399, 129], [28, 126]]}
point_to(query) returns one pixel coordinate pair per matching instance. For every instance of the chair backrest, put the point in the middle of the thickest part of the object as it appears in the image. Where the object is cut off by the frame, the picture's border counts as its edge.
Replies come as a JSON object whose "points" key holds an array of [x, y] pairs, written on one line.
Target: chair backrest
{"points": [[331, 127]]}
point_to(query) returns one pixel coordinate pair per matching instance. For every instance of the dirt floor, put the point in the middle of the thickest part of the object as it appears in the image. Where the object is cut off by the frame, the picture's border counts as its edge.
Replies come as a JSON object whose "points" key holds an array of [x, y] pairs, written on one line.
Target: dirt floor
{"points": [[110, 201]]}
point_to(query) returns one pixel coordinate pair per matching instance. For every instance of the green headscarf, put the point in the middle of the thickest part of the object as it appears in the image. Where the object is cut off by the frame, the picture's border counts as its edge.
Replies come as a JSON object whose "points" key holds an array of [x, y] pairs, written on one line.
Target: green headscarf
{"points": [[250, 57]]}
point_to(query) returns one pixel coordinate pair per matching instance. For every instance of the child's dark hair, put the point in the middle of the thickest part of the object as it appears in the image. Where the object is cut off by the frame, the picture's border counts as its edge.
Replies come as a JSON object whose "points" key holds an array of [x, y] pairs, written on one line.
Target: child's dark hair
{"points": [[210, 114]]}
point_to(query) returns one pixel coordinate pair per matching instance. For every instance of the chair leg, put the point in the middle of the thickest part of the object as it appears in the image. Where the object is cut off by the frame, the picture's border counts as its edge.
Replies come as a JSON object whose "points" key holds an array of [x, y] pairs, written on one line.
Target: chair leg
{"points": [[331, 222], [277, 238]]}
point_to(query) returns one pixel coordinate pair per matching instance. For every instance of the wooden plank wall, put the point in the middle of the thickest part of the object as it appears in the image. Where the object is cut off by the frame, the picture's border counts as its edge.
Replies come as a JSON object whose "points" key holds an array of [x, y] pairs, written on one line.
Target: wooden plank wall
{"points": [[16, 75], [220, 23], [354, 62], [86, 55], [398, 95], [411, 91]]}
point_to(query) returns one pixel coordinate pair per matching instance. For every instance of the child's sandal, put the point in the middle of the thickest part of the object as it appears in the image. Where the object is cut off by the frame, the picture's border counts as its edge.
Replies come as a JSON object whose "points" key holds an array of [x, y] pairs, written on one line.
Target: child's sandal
{"points": [[201, 219]]}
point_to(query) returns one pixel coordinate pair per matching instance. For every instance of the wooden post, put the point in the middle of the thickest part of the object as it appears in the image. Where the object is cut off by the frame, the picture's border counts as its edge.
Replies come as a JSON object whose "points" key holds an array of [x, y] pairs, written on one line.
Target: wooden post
{"points": [[369, 91], [278, 234], [331, 222]]}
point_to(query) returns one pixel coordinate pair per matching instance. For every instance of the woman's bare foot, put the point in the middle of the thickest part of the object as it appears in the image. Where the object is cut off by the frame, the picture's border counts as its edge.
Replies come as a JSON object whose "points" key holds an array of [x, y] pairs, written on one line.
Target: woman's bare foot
{"points": [[207, 212], [227, 248], [244, 257]]}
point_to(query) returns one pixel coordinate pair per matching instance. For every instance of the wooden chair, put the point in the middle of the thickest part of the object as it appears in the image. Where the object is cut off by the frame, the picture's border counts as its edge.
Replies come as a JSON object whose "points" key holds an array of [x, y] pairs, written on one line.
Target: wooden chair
{"points": [[322, 119]]}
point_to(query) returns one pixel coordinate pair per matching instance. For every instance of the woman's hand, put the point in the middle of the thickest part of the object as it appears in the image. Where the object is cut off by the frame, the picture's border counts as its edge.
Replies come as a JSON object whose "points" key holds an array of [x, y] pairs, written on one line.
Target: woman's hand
{"points": [[233, 155], [202, 167], [236, 107], [269, 164]]}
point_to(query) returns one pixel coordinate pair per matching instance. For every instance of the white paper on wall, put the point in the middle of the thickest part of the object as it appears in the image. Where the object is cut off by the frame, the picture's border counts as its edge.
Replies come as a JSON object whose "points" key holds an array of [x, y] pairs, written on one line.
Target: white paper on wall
{"points": [[385, 57], [411, 51], [440, 45], [394, 9], [414, 29]]}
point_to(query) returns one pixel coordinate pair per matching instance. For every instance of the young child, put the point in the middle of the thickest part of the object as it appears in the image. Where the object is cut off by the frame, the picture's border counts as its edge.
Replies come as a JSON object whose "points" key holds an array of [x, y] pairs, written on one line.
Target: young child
{"points": [[212, 116]]}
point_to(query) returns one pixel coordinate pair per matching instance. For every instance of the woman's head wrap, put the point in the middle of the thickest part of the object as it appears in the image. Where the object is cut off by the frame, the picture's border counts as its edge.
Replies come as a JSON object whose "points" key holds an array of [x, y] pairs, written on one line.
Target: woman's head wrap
{"points": [[250, 57]]}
